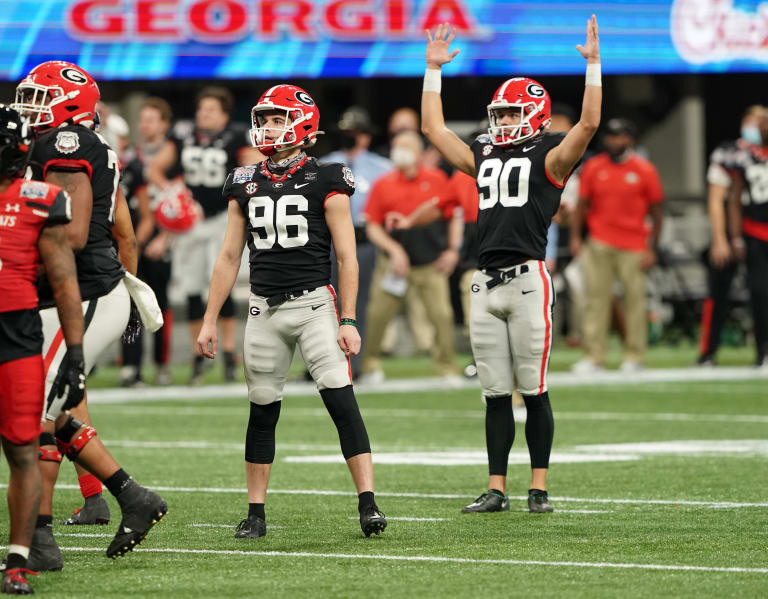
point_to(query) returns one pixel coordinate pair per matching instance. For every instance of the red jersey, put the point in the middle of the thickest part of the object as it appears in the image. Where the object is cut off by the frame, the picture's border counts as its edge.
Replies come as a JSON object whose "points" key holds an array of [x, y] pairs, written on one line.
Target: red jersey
{"points": [[25, 208]]}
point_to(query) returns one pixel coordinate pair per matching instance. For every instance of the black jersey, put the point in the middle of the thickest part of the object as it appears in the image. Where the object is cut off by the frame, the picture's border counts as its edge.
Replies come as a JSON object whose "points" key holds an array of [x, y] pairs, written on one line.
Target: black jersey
{"points": [[75, 148], [288, 237], [131, 181], [752, 163], [204, 161], [517, 200]]}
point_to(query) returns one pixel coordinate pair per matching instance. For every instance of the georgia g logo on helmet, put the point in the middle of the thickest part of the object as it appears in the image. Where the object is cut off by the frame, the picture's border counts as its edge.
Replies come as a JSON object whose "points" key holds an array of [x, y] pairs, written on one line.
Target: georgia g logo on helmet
{"points": [[535, 91], [304, 98], [73, 76]]}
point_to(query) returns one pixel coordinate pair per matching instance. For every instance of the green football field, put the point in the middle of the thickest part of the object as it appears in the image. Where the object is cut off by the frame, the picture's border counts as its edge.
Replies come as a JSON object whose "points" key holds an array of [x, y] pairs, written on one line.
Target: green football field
{"points": [[660, 490]]}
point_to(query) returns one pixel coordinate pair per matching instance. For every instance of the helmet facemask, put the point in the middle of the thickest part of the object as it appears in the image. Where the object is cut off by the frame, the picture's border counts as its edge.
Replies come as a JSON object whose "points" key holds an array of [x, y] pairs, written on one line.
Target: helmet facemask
{"points": [[504, 135], [34, 102], [287, 138]]}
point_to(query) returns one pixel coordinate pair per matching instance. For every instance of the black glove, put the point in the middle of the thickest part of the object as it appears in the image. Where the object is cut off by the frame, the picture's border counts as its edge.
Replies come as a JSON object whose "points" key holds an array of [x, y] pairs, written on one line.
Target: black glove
{"points": [[70, 380], [133, 328]]}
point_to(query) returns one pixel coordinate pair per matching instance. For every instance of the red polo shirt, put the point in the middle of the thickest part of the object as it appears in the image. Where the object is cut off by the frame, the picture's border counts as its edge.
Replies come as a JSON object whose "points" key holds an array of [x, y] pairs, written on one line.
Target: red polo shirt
{"points": [[620, 196], [464, 195], [395, 193]]}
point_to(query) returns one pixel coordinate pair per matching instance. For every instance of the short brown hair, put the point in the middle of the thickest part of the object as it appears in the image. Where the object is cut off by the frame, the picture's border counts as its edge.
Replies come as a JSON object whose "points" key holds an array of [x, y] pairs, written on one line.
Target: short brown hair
{"points": [[222, 94], [161, 106]]}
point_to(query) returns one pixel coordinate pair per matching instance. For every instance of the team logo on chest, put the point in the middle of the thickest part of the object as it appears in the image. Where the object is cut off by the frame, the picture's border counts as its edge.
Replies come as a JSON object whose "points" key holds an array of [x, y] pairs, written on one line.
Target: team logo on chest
{"points": [[251, 188], [67, 142], [487, 150]]}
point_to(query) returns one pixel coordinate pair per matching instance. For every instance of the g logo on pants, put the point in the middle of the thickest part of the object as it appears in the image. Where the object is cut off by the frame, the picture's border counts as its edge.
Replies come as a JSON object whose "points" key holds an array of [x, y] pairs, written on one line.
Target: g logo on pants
{"points": [[254, 310]]}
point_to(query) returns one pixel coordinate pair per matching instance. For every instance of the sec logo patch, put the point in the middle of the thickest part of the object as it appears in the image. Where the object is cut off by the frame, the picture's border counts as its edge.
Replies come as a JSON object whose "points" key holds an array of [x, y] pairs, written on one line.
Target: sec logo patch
{"points": [[475, 288], [487, 150], [254, 310], [251, 188]]}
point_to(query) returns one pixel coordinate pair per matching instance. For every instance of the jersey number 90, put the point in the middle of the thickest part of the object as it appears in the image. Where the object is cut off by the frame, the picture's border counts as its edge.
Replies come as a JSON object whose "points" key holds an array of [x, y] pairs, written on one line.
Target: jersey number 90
{"points": [[287, 230], [505, 182]]}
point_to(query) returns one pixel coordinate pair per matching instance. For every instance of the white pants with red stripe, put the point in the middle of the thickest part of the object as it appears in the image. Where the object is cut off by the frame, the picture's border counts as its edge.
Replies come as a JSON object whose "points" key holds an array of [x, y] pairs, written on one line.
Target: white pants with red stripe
{"points": [[510, 330], [272, 334], [105, 320]]}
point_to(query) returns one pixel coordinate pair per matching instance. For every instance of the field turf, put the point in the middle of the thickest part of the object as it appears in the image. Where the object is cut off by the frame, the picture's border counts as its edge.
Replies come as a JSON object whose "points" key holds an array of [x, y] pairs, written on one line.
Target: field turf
{"points": [[655, 518]]}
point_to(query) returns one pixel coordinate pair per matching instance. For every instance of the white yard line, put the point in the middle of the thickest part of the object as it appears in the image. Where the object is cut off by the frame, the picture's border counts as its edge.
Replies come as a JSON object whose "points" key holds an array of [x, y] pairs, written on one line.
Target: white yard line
{"points": [[555, 379], [408, 519], [555, 499], [85, 535], [231, 526], [444, 560]]}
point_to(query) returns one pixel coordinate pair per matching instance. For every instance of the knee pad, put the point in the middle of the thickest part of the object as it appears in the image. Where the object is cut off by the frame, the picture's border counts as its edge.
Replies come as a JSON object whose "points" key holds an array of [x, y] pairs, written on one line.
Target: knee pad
{"points": [[263, 394], [227, 308], [195, 307], [260, 435], [49, 455], [529, 380], [69, 444], [342, 406], [333, 378]]}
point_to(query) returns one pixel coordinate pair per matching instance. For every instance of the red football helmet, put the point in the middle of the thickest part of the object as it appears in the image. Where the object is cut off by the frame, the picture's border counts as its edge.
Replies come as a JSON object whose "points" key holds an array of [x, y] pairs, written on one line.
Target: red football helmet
{"points": [[302, 118], [535, 111], [176, 210], [57, 92]]}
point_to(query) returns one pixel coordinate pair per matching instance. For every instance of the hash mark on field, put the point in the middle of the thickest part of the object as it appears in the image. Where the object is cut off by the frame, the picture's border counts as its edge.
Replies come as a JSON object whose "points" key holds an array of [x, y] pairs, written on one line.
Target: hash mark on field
{"points": [[329, 493], [441, 559]]}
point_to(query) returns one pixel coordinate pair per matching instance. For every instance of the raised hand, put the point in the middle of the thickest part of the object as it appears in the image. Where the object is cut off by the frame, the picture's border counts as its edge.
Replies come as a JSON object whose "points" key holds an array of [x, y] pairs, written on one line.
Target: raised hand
{"points": [[591, 48], [438, 49]]}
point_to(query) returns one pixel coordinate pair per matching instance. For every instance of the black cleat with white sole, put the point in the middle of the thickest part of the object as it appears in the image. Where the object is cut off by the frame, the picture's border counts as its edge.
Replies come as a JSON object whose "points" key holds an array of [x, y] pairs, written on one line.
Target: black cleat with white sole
{"points": [[372, 521], [538, 502], [142, 509], [252, 527], [94, 511], [15, 582], [492, 501], [44, 552]]}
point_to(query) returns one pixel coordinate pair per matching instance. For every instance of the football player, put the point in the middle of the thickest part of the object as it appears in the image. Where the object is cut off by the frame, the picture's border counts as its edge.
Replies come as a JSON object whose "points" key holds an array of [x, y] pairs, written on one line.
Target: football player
{"points": [[520, 171], [33, 216], [751, 211], [289, 209], [59, 100], [204, 155]]}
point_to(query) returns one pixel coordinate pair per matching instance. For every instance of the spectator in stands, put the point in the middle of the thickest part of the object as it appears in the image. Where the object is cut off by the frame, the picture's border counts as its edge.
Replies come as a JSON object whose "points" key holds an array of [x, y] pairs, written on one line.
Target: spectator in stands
{"points": [[618, 190], [356, 133], [421, 258]]}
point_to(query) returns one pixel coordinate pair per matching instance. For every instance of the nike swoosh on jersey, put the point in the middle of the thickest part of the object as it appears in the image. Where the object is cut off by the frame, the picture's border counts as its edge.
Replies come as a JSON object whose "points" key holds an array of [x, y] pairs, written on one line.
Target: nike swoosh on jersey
{"points": [[299, 186], [528, 149]]}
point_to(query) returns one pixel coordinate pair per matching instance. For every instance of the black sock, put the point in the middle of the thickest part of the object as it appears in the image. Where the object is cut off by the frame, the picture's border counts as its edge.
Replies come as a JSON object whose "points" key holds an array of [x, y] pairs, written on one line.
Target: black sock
{"points": [[539, 429], [229, 358], [43, 521], [496, 492], [117, 482], [256, 509], [14, 560], [536, 492], [364, 499], [499, 433]]}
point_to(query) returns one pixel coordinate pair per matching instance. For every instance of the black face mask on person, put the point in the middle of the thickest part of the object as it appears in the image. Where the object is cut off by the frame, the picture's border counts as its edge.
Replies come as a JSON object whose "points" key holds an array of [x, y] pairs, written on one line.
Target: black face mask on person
{"points": [[347, 141], [617, 149]]}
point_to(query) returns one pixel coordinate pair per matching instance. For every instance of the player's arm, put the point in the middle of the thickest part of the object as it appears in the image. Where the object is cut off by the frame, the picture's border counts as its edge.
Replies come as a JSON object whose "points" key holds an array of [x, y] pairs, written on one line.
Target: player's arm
{"points": [[719, 184], [122, 231], [453, 149], [733, 206], [59, 263], [382, 240], [448, 259], [223, 278], [423, 215], [577, 225], [164, 159], [78, 185], [339, 219], [146, 222], [562, 158]]}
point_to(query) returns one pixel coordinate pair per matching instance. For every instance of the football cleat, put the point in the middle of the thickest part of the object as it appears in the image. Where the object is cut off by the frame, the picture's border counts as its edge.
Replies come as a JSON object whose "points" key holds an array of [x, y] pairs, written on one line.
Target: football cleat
{"points": [[372, 521], [94, 511], [538, 503], [487, 502], [142, 509], [15, 582], [44, 553], [252, 527]]}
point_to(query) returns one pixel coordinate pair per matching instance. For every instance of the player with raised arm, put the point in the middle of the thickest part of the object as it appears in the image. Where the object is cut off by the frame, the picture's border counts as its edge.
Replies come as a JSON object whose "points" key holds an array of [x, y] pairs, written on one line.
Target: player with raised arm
{"points": [[289, 209], [59, 99], [520, 171], [33, 216]]}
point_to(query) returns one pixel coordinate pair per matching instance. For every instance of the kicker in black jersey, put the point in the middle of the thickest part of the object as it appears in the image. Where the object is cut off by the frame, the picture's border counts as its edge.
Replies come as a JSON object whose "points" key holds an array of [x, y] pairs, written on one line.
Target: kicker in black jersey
{"points": [[517, 200], [205, 160], [752, 163], [75, 148], [288, 237]]}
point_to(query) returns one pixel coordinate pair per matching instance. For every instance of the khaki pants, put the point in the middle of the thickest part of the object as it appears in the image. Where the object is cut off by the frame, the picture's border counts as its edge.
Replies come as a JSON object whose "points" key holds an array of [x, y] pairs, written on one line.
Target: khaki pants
{"points": [[432, 288], [603, 264]]}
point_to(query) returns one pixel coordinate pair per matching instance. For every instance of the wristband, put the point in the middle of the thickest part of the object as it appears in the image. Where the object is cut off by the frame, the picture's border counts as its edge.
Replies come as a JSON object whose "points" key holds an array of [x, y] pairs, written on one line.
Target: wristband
{"points": [[738, 242], [350, 321], [593, 75], [432, 80]]}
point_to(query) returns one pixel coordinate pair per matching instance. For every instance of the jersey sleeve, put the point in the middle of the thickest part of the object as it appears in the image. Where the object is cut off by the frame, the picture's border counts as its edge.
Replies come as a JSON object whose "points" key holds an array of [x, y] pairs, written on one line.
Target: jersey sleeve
{"points": [[233, 192], [653, 188], [338, 179], [70, 149], [60, 212]]}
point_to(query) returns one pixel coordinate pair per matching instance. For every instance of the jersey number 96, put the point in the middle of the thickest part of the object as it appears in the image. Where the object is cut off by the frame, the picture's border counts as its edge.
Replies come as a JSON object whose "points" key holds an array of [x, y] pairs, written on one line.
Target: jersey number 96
{"points": [[273, 224]]}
